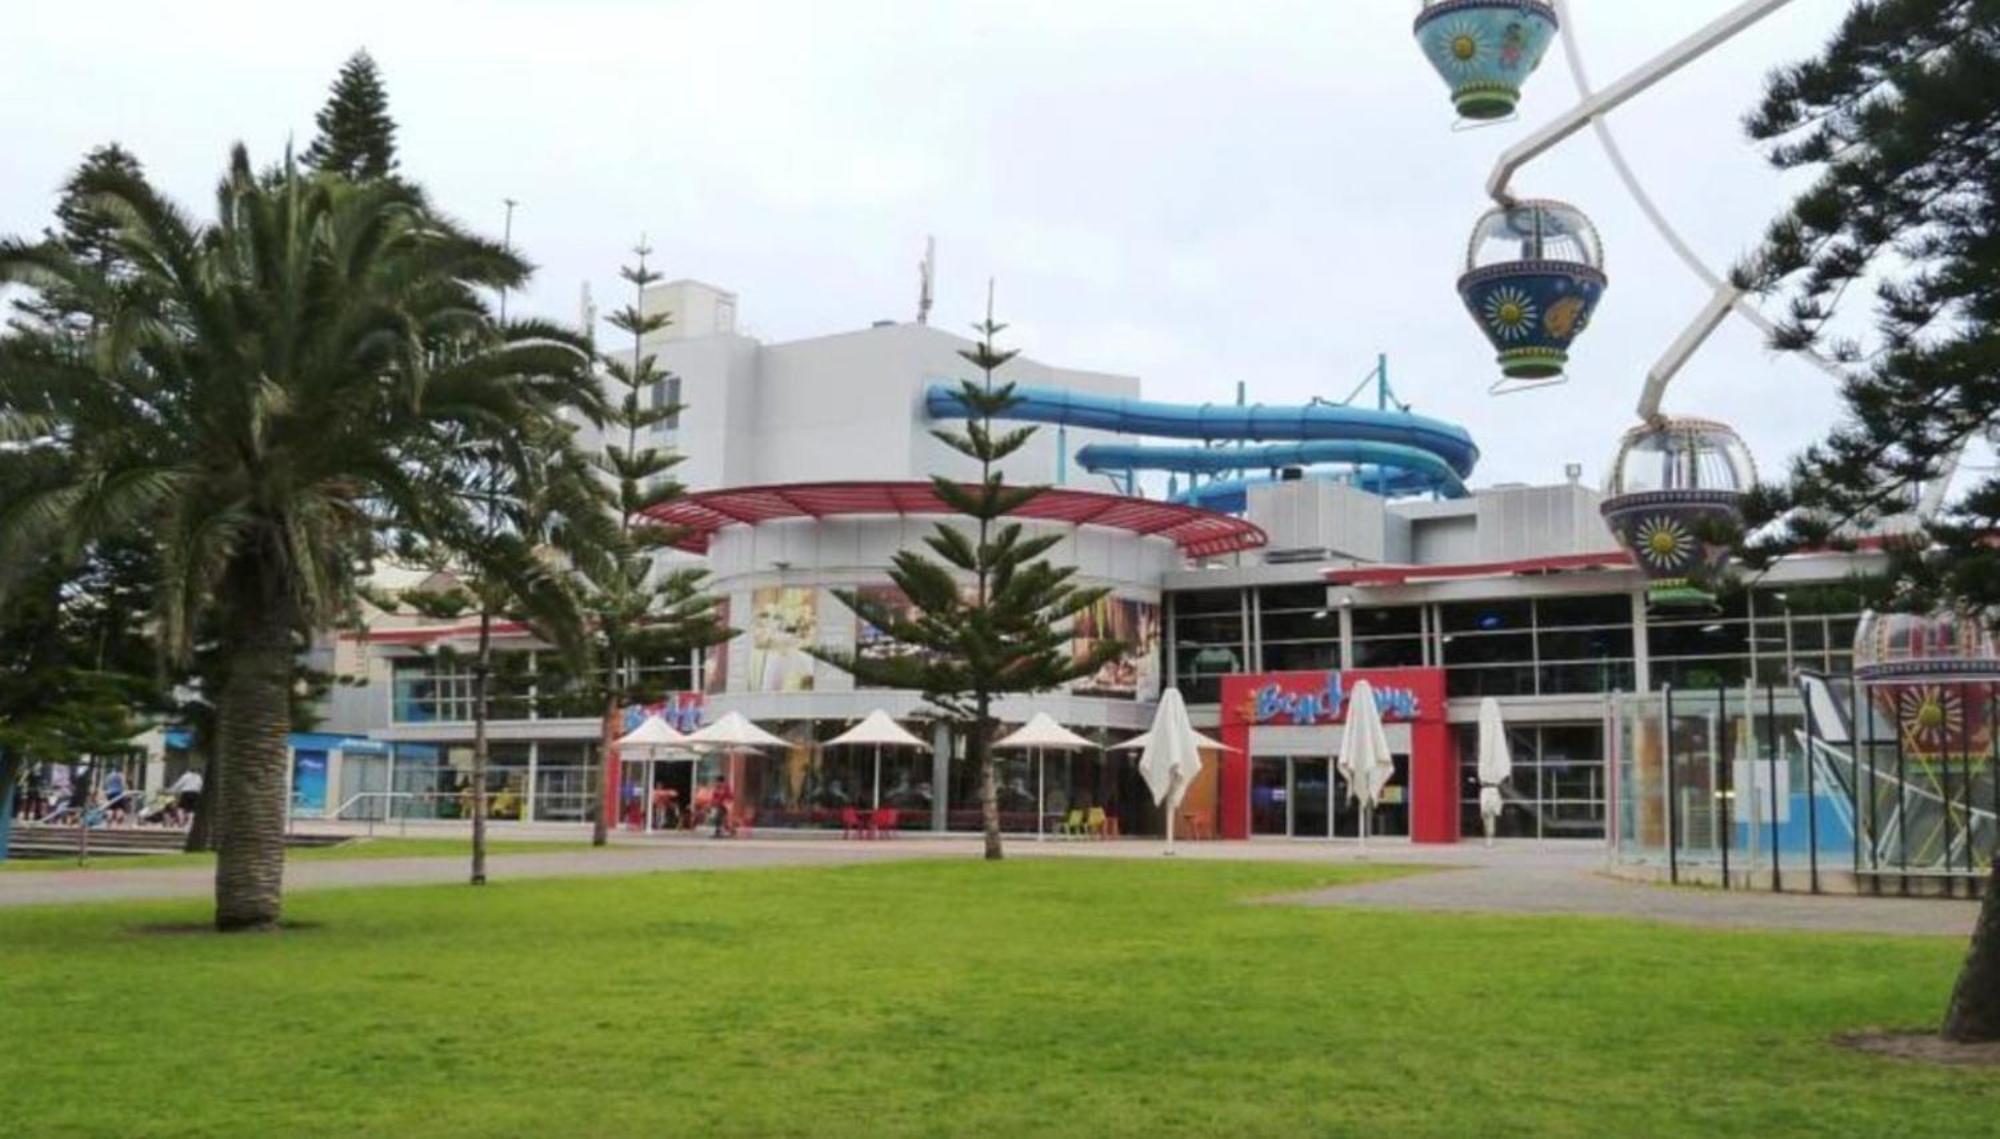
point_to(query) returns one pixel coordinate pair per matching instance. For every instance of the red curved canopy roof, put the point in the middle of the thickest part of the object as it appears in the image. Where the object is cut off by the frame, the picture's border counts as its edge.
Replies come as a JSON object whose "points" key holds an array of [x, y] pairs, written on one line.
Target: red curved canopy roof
{"points": [[1199, 533]]}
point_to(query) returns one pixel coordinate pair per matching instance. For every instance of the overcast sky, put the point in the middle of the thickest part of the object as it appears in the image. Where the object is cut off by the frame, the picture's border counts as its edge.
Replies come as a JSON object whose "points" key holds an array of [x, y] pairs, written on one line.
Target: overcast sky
{"points": [[1263, 190]]}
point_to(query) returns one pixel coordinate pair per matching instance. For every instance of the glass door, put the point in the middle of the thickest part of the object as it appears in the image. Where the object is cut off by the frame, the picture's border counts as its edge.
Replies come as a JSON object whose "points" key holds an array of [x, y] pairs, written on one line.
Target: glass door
{"points": [[1309, 798], [1269, 792]]}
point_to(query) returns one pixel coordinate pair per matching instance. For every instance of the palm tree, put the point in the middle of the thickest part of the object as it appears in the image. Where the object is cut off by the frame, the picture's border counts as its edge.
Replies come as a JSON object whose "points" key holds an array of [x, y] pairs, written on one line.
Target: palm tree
{"points": [[268, 397]]}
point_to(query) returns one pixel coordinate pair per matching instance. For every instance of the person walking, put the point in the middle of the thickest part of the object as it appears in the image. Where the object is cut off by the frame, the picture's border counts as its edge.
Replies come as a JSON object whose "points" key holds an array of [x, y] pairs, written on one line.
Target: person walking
{"points": [[723, 801]]}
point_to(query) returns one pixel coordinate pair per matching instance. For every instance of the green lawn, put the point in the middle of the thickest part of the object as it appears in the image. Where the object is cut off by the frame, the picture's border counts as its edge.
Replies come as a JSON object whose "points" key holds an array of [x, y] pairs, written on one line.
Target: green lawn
{"points": [[357, 848], [1044, 997]]}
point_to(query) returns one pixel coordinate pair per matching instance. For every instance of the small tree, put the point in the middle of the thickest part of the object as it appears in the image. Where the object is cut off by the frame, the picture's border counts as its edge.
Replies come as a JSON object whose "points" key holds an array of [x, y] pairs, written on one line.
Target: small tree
{"points": [[641, 608], [1010, 633], [357, 138], [1900, 117]]}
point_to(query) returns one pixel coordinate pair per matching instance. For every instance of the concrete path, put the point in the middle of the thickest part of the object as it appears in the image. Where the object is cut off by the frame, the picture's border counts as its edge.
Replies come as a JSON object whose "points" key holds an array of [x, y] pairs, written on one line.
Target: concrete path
{"points": [[1498, 887]]}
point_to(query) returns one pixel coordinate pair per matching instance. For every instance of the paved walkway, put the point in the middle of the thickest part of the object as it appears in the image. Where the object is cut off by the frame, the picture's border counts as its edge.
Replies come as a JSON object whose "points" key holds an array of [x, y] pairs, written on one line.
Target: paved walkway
{"points": [[1499, 887], [1512, 878]]}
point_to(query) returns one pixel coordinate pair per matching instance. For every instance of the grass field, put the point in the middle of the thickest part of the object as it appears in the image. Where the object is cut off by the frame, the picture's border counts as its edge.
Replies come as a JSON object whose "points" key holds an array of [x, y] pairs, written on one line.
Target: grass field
{"points": [[1043, 997], [358, 848]]}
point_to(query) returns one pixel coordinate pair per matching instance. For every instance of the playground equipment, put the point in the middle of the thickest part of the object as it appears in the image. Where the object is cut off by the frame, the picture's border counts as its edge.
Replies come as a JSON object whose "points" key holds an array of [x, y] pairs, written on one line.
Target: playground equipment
{"points": [[1534, 272], [1485, 49], [1673, 501]]}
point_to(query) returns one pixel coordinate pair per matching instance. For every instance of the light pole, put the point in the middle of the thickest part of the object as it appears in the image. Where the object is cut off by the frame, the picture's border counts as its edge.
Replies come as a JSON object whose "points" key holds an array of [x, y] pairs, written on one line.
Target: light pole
{"points": [[507, 243]]}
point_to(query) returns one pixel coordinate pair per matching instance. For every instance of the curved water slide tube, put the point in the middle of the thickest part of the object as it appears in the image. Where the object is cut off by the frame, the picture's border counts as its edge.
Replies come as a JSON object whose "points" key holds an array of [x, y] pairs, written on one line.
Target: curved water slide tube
{"points": [[1409, 453]]}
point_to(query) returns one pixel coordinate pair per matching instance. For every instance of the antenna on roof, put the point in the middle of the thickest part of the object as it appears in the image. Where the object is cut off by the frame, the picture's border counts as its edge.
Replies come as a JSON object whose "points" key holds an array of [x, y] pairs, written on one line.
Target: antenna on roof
{"points": [[586, 310], [926, 280]]}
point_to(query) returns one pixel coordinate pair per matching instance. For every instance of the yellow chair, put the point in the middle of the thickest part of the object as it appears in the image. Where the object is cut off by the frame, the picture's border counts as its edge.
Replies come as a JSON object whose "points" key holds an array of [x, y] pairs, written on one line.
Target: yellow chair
{"points": [[1094, 824], [1072, 823]]}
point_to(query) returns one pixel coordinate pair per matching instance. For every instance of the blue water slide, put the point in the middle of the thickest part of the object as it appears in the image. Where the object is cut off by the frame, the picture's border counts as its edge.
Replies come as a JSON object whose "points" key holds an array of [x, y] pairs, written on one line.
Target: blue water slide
{"points": [[1229, 422], [1232, 496], [1419, 469]]}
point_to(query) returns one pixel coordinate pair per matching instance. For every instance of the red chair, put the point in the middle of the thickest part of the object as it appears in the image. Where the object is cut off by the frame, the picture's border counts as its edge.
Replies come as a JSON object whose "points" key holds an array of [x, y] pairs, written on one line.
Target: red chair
{"points": [[883, 822], [851, 825], [742, 822]]}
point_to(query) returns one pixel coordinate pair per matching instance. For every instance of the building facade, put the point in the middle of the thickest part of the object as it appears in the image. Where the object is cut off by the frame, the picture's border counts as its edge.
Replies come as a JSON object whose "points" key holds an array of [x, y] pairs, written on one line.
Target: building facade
{"points": [[807, 464]]}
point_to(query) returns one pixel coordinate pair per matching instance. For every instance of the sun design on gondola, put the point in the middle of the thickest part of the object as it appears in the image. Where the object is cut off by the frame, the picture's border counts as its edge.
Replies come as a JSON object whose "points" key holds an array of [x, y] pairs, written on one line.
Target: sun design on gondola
{"points": [[1664, 543], [1510, 313], [1464, 45], [1933, 717]]}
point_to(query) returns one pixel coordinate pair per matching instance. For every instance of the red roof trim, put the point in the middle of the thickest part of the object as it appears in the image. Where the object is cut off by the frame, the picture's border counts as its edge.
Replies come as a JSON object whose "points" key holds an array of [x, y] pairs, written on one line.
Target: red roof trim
{"points": [[1199, 533]]}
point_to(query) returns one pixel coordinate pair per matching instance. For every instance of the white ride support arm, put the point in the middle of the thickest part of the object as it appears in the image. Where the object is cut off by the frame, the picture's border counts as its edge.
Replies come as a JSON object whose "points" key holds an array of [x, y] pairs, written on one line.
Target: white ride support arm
{"points": [[1684, 347], [1621, 92]]}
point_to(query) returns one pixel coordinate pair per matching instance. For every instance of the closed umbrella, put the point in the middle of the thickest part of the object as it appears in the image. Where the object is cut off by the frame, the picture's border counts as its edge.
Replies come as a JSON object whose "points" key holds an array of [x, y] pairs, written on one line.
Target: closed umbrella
{"points": [[1170, 755], [1041, 733], [1496, 763], [1364, 752]]}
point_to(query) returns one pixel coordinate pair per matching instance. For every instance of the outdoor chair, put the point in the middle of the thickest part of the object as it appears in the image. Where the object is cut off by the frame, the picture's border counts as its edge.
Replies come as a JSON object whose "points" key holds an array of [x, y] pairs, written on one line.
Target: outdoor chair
{"points": [[851, 825], [741, 823], [1094, 824], [882, 824], [1072, 823]]}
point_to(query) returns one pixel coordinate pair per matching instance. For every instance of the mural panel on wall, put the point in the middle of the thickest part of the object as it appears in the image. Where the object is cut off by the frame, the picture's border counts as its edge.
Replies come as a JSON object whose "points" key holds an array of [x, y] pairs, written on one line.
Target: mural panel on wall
{"points": [[1135, 675], [783, 621]]}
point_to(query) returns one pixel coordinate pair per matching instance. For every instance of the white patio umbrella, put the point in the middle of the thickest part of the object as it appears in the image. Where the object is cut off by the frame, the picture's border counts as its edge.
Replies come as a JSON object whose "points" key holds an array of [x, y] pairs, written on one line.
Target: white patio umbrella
{"points": [[1170, 755], [878, 729], [1041, 733], [654, 739], [1496, 763], [733, 732], [1364, 752]]}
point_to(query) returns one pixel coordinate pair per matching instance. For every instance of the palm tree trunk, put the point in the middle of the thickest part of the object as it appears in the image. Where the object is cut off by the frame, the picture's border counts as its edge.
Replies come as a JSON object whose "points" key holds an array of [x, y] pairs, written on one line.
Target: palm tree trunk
{"points": [[989, 786], [1974, 1015], [253, 721], [482, 673]]}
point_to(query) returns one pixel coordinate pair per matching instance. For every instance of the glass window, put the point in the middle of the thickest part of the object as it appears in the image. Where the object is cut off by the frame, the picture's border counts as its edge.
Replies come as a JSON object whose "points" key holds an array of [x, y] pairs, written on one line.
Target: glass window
{"points": [[1600, 609], [1717, 672], [1403, 621], [1389, 652], [1588, 677], [1208, 602], [1302, 656], [1487, 616], [1322, 625], [1209, 630], [1279, 598], [1508, 680], [1585, 644], [1699, 638], [1505, 648]]}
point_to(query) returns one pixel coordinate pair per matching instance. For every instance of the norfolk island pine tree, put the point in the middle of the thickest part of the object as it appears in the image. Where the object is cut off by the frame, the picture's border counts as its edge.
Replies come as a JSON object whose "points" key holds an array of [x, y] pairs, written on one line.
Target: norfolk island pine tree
{"points": [[1899, 116], [1012, 634]]}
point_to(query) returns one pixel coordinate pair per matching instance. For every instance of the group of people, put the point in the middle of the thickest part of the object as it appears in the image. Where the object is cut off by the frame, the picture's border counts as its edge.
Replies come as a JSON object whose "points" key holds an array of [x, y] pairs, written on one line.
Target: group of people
{"points": [[714, 805], [60, 793]]}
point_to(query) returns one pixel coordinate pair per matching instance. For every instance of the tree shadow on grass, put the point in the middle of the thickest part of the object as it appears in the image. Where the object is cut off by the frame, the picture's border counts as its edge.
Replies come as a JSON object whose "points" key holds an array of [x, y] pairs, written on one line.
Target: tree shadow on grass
{"points": [[203, 928]]}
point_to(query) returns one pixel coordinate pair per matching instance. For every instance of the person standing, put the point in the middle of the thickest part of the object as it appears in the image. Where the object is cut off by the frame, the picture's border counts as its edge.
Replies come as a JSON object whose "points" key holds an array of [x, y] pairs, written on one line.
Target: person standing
{"points": [[114, 797], [187, 796]]}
